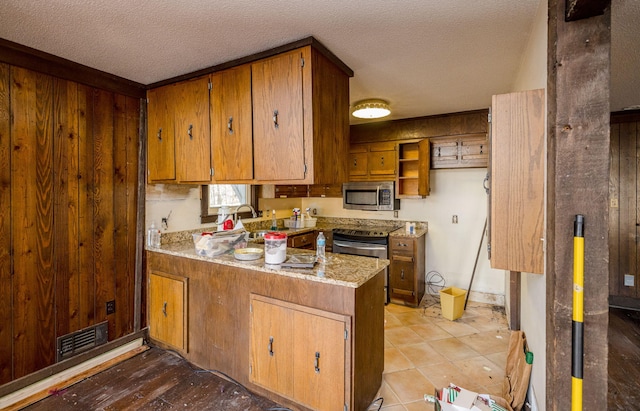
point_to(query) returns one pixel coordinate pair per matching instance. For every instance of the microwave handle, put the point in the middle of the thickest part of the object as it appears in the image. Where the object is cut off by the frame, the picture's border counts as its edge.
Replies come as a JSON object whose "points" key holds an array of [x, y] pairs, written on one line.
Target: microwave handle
{"points": [[378, 196]]}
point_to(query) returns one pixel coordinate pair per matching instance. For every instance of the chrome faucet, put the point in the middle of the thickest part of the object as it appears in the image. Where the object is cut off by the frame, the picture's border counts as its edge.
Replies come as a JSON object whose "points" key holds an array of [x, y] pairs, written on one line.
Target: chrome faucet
{"points": [[235, 213]]}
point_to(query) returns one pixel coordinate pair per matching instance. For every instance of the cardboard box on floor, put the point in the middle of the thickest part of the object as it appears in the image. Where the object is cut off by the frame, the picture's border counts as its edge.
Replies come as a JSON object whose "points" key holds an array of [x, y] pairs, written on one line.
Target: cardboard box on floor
{"points": [[514, 388]]}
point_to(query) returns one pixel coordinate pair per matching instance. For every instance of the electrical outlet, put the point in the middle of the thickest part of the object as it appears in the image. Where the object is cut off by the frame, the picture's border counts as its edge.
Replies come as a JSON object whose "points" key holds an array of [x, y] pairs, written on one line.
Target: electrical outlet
{"points": [[395, 214], [629, 280], [454, 219], [111, 307]]}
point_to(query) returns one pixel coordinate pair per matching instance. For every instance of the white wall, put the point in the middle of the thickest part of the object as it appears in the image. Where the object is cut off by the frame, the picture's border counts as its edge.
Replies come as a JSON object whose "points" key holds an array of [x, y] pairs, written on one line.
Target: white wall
{"points": [[533, 75], [451, 248]]}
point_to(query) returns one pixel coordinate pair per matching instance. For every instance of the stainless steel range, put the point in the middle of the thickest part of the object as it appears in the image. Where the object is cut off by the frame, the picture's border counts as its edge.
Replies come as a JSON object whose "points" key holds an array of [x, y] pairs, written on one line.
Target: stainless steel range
{"points": [[365, 242]]}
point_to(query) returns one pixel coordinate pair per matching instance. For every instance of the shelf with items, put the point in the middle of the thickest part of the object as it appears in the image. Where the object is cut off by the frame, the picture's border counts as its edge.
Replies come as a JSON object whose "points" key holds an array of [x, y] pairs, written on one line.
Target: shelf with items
{"points": [[412, 180]]}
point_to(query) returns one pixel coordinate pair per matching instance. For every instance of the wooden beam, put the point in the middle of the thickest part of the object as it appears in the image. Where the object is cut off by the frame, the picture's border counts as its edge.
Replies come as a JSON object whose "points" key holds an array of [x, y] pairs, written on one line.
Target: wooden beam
{"points": [[583, 9], [577, 183]]}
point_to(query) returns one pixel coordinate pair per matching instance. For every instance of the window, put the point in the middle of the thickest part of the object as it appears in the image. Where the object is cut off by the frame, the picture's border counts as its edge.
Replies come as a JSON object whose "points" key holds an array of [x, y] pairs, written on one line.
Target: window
{"points": [[215, 196]]}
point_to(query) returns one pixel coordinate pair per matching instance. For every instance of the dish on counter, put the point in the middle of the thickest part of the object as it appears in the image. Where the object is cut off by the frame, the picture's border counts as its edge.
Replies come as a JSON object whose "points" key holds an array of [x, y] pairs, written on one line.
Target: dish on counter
{"points": [[247, 254]]}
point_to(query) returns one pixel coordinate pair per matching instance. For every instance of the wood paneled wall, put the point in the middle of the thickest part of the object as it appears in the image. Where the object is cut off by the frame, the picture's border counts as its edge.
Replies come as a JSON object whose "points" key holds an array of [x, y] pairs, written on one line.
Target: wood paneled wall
{"points": [[68, 200]]}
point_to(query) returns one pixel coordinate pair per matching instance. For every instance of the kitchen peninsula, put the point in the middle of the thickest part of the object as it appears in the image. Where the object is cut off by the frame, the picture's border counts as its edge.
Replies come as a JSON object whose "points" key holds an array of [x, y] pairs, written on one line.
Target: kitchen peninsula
{"points": [[304, 338]]}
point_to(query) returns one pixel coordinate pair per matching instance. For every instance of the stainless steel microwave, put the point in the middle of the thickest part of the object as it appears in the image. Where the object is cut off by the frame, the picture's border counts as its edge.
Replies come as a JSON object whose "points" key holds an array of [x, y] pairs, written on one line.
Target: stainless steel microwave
{"points": [[370, 195]]}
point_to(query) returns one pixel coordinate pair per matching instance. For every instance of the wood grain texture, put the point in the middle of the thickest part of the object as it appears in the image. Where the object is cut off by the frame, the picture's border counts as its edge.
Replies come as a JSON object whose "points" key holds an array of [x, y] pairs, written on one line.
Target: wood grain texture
{"points": [[231, 125], [221, 295], [192, 130], [161, 158], [277, 85], [66, 146], [6, 337], [103, 204], [517, 181], [32, 221], [421, 127], [87, 290], [578, 173]]}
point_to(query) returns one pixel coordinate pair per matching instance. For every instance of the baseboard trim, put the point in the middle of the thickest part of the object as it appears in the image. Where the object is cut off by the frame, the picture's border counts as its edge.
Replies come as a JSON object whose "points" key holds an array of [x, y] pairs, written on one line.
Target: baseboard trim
{"points": [[41, 389]]}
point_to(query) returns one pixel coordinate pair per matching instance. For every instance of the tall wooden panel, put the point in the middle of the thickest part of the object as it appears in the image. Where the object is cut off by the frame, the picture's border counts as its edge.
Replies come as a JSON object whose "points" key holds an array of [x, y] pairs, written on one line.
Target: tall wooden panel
{"points": [[66, 183], [103, 204], [87, 289], [127, 111], [517, 181], [32, 220], [5, 227], [624, 195]]}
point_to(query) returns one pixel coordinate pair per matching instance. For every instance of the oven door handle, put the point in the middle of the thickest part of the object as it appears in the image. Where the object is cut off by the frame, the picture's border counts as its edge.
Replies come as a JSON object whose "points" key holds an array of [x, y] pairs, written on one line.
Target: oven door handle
{"points": [[366, 247]]}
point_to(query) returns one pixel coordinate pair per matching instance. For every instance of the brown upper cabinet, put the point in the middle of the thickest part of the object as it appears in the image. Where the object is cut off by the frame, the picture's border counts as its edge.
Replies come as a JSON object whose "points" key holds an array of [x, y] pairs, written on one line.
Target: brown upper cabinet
{"points": [[373, 161], [179, 143], [231, 125], [516, 179], [462, 151], [413, 169], [300, 118], [282, 119]]}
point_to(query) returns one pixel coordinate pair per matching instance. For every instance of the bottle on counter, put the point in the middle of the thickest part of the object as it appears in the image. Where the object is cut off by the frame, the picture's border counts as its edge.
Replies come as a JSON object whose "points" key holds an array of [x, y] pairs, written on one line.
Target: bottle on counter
{"points": [[153, 236], [321, 243]]}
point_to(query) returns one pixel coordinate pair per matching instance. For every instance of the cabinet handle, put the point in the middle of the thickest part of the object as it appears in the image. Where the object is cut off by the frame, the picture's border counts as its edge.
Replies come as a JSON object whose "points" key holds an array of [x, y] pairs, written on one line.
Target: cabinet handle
{"points": [[230, 125], [190, 131], [402, 274], [485, 183], [160, 134], [270, 346], [164, 308], [355, 162], [275, 118], [316, 364], [382, 160]]}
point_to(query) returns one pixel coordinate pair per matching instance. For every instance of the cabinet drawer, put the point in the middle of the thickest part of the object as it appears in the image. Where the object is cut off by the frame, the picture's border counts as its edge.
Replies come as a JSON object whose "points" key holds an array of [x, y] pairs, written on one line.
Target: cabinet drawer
{"points": [[402, 275], [301, 241], [401, 245]]}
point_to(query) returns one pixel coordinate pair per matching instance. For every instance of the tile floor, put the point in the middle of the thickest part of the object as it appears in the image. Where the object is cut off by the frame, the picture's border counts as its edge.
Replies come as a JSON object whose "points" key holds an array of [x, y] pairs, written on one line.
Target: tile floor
{"points": [[424, 350]]}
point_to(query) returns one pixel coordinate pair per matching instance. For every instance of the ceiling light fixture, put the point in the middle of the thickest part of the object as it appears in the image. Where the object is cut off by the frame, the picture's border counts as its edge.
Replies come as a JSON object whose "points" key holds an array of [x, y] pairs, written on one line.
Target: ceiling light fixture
{"points": [[371, 108]]}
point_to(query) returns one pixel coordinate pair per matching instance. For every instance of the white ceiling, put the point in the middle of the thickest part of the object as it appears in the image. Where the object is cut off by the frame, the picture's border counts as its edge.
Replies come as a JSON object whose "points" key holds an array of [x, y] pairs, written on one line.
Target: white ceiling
{"points": [[425, 56]]}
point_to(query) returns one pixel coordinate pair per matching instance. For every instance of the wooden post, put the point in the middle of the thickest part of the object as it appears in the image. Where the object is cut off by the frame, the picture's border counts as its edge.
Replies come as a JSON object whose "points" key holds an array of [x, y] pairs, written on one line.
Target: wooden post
{"points": [[577, 183]]}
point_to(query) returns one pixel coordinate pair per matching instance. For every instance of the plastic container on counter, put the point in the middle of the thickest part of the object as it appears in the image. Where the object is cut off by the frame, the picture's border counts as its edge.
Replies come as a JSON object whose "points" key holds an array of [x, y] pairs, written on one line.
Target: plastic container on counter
{"points": [[275, 247]]}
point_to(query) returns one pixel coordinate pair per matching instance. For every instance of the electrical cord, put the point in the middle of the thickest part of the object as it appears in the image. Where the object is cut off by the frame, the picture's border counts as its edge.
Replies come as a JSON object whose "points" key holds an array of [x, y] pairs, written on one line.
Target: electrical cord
{"points": [[434, 283]]}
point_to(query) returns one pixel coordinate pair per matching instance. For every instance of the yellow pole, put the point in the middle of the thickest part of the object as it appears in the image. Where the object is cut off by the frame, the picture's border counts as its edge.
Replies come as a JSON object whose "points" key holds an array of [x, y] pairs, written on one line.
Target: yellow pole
{"points": [[577, 329]]}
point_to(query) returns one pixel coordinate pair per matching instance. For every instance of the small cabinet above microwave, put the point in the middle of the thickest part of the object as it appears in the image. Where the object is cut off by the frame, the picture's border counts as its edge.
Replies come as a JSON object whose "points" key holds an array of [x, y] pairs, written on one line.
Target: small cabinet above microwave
{"points": [[370, 195]]}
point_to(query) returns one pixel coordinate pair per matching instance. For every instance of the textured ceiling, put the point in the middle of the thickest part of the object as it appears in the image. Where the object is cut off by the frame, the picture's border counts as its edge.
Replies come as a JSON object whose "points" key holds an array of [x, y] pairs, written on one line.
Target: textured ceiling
{"points": [[425, 56]]}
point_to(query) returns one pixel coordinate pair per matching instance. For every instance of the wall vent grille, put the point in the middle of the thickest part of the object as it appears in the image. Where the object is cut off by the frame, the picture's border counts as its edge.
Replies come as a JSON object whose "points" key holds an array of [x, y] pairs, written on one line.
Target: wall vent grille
{"points": [[80, 341]]}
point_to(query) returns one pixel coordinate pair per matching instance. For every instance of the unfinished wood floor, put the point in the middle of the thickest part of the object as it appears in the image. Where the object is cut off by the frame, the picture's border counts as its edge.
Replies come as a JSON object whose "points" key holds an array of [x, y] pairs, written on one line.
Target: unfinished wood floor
{"points": [[155, 380], [624, 360]]}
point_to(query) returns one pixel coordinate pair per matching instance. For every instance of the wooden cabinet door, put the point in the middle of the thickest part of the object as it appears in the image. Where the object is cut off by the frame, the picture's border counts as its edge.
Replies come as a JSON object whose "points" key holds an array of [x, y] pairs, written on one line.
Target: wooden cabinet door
{"points": [[231, 124], [271, 348], [516, 218], [358, 164], [278, 117], [193, 135], [168, 310], [319, 361], [161, 150], [401, 277]]}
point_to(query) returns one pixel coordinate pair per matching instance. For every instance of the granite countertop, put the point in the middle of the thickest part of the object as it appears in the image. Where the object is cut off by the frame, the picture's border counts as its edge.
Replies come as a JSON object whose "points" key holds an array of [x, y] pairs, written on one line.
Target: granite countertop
{"points": [[340, 269]]}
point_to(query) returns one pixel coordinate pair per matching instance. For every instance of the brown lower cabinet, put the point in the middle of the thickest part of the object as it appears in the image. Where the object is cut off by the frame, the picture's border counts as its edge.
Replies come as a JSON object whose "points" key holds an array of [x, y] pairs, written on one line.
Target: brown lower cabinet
{"points": [[168, 309], [233, 312], [406, 272], [299, 352]]}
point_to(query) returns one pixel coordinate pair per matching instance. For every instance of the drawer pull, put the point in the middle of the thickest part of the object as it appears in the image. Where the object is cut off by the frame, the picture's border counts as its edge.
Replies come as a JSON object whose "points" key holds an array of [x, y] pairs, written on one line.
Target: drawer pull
{"points": [[190, 131], [164, 308], [317, 363], [275, 118], [402, 274], [159, 134], [230, 125], [270, 346]]}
